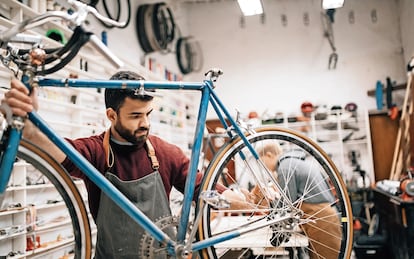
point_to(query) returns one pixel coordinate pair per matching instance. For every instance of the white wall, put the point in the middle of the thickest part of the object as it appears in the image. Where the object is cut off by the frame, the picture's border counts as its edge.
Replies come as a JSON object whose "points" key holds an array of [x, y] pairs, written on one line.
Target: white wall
{"points": [[274, 67], [271, 67]]}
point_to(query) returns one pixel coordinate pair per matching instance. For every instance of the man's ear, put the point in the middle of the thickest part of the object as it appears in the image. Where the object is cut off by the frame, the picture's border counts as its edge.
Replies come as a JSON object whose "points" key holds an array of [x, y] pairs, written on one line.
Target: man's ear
{"points": [[111, 114]]}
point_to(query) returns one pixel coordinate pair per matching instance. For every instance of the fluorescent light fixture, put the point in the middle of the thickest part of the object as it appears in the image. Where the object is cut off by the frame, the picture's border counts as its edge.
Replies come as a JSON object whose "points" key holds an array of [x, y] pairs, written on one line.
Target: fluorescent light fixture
{"points": [[250, 7], [332, 4]]}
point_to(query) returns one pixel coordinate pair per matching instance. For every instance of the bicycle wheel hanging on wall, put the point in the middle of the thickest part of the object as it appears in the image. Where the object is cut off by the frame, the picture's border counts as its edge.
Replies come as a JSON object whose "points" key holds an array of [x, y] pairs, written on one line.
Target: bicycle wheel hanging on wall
{"points": [[140, 29], [155, 27], [163, 25], [189, 55]]}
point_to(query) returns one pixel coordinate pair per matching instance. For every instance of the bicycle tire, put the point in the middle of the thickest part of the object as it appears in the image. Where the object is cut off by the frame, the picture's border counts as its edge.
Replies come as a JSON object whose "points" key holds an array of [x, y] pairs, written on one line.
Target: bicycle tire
{"points": [[213, 221], [188, 54], [69, 196], [184, 56], [163, 25], [141, 29]]}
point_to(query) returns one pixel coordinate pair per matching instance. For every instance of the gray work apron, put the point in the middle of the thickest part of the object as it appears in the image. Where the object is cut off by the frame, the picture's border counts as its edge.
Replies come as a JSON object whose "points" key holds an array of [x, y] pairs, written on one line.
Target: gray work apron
{"points": [[118, 235]]}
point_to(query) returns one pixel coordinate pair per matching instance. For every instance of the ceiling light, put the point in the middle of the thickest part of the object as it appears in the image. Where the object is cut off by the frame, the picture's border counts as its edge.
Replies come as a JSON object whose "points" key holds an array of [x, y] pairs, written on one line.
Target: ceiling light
{"points": [[250, 7], [332, 4]]}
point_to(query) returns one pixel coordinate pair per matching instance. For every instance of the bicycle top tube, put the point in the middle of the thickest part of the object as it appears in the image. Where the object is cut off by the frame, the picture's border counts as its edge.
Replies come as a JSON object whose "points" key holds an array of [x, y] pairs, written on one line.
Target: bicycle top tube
{"points": [[122, 84]]}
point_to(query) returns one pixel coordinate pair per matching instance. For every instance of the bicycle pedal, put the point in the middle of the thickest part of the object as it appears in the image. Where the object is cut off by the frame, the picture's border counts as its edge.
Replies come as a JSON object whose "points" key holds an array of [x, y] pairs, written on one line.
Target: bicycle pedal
{"points": [[215, 199]]}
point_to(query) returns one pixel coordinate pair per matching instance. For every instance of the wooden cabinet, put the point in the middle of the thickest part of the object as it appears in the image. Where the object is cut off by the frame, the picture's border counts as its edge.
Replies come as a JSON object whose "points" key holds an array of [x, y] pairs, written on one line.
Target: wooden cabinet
{"points": [[384, 133]]}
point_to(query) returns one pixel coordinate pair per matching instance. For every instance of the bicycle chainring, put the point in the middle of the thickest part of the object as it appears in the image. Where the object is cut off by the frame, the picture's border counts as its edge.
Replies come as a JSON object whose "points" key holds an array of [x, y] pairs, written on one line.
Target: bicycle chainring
{"points": [[150, 248]]}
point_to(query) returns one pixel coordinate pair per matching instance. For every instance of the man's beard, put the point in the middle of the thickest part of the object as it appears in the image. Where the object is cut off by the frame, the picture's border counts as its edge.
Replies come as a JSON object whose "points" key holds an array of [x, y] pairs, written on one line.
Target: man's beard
{"points": [[132, 138]]}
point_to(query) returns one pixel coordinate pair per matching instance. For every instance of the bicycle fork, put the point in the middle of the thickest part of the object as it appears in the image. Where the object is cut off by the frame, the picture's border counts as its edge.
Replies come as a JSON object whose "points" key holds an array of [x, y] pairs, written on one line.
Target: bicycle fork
{"points": [[10, 139], [11, 128]]}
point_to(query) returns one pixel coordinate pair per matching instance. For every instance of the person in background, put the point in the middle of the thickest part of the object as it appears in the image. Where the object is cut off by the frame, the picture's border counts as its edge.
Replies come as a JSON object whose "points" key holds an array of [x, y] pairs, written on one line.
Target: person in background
{"points": [[142, 166], [293, 174]]}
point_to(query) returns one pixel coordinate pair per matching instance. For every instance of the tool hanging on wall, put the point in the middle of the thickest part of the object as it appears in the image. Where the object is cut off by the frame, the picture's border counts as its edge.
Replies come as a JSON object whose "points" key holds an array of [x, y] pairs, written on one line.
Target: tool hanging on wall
{"points": [[327, 21], [392, 107], [379, 94]]}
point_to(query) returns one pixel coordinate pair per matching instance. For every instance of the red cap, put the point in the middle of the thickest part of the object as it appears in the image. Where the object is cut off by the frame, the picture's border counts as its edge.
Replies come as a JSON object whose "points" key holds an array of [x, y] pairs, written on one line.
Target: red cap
{"points": [[306, 107], [253, 115]]}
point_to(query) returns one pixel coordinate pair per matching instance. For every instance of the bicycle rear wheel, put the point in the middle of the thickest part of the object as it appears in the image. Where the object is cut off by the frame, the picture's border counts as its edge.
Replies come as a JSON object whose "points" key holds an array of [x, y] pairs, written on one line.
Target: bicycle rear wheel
{"points": [[56, 223], [233, 166]]}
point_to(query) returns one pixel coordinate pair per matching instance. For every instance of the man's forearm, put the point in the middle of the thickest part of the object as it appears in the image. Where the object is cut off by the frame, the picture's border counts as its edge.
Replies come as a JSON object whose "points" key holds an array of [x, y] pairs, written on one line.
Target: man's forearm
{"points": [[34, 135]]}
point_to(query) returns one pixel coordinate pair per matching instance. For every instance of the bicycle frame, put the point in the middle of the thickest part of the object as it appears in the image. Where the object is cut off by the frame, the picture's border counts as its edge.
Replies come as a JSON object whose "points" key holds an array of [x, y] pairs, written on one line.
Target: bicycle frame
{"points": [[184, 243], [208, 96]]}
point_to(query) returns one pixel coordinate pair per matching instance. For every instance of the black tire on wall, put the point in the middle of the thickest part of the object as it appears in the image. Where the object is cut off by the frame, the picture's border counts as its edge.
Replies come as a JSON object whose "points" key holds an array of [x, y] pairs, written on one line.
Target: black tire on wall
{"points": [[140, 29]]}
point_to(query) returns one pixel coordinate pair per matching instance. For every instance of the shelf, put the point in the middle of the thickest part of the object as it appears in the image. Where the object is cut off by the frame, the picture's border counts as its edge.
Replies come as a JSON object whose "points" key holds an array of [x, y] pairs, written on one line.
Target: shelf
{"points": [[71, 106], [4, 237], [52, 246], [38, 186], [50, 226], [77, 126], [12, 211], [18, 256], [46, 205], [15, 188]]}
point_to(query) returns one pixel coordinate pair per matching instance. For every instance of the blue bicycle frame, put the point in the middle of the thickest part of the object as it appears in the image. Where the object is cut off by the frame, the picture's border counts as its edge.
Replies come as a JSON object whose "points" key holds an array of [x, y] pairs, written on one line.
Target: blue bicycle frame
{"points": [[208, 96]]}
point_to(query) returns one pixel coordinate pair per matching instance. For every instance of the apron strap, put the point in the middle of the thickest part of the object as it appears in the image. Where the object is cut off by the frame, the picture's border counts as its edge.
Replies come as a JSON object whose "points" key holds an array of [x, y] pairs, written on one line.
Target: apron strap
{"points": [[110, 156], [108, 150], [151, 155]]}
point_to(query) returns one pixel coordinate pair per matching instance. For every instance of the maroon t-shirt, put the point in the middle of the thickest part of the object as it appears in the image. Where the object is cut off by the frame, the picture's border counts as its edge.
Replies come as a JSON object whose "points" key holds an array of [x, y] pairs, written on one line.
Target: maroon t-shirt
{"points": [[131, 163]]}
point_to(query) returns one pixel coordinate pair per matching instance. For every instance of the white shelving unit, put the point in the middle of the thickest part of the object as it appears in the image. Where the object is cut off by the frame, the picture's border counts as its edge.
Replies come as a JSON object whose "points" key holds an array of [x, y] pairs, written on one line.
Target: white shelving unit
{"points": [[345, 137], [72, 113], [31, 221]]}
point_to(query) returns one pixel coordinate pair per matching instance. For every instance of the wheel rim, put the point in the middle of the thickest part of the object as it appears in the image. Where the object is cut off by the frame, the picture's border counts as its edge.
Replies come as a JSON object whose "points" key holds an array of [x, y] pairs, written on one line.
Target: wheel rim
{"points": [[55, 188]]}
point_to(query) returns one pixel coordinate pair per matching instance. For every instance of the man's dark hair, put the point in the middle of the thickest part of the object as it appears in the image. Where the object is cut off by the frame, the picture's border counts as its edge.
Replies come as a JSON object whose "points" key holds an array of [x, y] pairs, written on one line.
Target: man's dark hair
{"points": [[114, 98]]}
